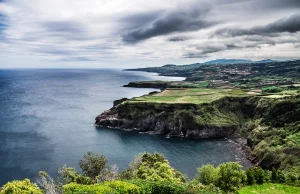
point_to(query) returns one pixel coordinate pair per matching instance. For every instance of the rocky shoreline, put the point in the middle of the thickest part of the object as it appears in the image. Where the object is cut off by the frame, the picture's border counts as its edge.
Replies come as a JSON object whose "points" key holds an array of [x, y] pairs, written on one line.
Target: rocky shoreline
{"points": [[110, 119], [164, 121], [173, 120]]}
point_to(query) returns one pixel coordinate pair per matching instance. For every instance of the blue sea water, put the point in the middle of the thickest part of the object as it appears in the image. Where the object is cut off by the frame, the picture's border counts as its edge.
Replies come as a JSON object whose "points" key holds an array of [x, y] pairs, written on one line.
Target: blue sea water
{"points": [[47, 116]]}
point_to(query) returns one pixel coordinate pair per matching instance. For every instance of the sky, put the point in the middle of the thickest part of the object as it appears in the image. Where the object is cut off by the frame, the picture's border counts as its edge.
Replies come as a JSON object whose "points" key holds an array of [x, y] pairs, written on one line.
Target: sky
{"points": [[139, 33]]}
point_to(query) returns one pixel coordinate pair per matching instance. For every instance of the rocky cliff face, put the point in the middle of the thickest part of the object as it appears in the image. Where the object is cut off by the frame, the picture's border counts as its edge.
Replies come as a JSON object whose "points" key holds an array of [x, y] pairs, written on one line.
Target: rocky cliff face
{"points": [[271, 126], [155, 84], [153, 125], [185, 120]]}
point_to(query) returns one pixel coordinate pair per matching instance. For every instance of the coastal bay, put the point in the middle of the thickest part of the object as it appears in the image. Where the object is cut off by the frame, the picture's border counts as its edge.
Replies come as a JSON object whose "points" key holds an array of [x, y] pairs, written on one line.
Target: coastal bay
{"points": [[47, 119]]}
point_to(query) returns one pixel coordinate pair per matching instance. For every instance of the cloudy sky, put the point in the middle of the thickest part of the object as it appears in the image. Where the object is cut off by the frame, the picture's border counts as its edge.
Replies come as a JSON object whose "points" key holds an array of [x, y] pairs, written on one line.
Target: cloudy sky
{"points": [[136, 33]]}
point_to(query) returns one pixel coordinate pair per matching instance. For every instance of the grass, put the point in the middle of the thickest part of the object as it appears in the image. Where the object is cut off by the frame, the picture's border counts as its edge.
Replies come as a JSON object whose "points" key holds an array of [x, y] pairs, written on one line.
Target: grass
{"points": [[270, 189], [190, 95], [189, 84]]}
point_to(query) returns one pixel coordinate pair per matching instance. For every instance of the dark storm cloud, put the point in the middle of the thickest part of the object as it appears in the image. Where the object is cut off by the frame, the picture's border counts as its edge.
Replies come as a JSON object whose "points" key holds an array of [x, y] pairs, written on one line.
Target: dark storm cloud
{"points": [[190, 19], [178, 38], [210, 48], [289, 24], [137, 20]]}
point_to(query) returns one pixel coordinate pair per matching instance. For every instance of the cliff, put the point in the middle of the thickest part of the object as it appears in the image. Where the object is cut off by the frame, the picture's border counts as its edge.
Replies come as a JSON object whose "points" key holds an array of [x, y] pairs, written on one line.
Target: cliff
{"points": [[148, 84], [271, 126], [209, 120]]}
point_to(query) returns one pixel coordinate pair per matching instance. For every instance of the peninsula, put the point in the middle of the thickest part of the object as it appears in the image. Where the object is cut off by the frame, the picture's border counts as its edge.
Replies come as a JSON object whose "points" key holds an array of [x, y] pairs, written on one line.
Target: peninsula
{"points": [[257, 104]]}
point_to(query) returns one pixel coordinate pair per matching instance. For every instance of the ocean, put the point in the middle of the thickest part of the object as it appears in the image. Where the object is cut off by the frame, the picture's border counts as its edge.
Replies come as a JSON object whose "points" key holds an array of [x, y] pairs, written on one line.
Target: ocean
{"points": [[47, 117]]}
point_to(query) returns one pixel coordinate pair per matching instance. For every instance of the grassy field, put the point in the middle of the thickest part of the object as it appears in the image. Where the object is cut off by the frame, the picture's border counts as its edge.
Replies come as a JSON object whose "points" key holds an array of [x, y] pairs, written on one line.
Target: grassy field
{"points": [[270, 189], [195, 95], [284, 93], [189, 85]]}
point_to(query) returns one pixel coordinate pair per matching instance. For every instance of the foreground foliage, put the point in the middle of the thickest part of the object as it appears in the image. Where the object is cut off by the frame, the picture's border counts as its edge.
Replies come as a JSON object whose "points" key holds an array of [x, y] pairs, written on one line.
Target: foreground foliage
{"points": [[270, 189], [152, 174], [20, 187]]}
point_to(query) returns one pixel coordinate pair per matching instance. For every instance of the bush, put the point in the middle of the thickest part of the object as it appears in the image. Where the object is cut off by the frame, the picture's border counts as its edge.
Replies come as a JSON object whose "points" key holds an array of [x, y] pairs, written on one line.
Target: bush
{"points": [[207, 175], [124, 187], [158, 187], [271, 89], [160, 171], [198, 188], [167, 188], [74, 188], [231, 176], [256, 175], [70, 175], [155, 167], [22, 187], [277, 176]]}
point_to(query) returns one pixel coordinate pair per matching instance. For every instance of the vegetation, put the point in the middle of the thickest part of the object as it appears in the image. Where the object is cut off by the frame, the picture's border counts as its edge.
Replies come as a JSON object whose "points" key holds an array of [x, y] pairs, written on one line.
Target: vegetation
{"points": [[241, 75], [270, 125], [270, 188], [257, 101], [195, 96], [271, 89], [152, 174], [24, 187]]}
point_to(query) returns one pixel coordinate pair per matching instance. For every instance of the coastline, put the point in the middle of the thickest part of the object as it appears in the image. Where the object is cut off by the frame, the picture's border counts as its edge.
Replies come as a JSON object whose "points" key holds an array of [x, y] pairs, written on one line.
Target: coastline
{"points": [[237, 139]]}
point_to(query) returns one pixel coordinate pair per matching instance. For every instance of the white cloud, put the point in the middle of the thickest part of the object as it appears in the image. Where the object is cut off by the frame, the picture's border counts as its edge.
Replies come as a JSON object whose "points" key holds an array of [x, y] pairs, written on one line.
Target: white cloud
{"points": [[88, 33]]}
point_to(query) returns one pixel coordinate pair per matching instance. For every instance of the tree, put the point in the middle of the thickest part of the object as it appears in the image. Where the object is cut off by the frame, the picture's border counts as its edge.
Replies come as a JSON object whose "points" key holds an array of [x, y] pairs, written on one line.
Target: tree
{"points": [[146, 158], [23, 187], [207, 175], [231, 176], [155, 167], [70, 175], [93, 164]]}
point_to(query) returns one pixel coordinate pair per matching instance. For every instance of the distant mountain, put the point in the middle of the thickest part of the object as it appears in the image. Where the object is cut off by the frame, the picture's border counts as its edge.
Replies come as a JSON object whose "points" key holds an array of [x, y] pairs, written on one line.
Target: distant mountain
{"points": [[228, 61], [266, 61], [237, 61]]}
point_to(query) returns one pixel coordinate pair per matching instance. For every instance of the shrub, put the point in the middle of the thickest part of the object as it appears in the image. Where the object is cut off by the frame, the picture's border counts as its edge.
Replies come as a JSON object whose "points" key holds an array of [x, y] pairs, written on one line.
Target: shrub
{"points": [[271, 89], [70, 175], [255, 175], [74, 188], [92, 164], [126, 174], [158, 187], [207, 174], [22, 187], [198, 188], [277, 176], [151, 159], [155, 167], [124, 187], [160, 171], [231, 176], [167, 188]]}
